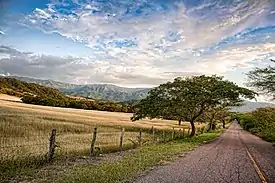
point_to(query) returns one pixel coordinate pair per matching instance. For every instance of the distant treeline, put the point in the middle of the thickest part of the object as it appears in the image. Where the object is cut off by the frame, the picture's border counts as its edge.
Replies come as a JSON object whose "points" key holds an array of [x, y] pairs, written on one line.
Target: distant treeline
{"points": [[40, 95], [78, 103]]}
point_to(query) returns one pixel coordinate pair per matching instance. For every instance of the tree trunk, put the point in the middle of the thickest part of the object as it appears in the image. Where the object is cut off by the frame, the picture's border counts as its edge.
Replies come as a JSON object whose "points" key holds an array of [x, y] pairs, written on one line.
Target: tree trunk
{"points": [[223, 123], [213, 126], [193, 128], [210, 125], [180, 120]]}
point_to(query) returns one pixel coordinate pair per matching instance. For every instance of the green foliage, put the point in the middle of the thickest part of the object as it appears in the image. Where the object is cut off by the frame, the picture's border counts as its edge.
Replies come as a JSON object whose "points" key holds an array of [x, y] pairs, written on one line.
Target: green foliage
{"points": [[263, 80], [78, 103], [18, 88], [188, 98], [134, 163], [260, 122], [32, 93]]}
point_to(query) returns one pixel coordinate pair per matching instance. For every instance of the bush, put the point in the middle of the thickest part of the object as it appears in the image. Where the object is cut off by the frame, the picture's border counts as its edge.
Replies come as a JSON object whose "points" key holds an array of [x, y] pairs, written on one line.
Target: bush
{"points": [[260, 122]]}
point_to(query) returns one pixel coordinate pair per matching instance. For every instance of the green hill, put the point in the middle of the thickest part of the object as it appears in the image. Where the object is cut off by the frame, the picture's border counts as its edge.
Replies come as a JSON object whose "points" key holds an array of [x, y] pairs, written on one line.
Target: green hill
{"points": [[33, 93], [15, 87]]}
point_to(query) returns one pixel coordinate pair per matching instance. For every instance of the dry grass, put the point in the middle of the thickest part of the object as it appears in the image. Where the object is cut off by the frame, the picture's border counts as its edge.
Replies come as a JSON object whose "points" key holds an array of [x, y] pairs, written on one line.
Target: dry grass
{"points": [[9, 98], [25, 129]]}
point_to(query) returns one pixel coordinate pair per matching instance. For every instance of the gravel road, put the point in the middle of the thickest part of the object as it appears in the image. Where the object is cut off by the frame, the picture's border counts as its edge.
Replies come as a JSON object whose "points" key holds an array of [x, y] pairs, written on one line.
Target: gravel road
{"points": [[224, 160]]}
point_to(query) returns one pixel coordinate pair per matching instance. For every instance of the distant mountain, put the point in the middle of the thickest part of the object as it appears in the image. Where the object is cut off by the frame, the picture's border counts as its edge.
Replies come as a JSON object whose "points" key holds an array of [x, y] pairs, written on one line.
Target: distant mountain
{"points": [[47, 83], [93, 91], [251, 106], [116, 93]]}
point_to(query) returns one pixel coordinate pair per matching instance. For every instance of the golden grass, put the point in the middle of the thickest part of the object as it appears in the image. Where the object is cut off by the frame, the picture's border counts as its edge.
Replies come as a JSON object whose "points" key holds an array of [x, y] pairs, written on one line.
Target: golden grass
{"points": [[25, 129]]}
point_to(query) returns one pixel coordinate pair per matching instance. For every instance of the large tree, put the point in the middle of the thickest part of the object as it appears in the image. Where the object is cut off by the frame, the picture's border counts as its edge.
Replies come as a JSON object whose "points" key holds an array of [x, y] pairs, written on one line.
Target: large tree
{"points": [[263, 80], [187, 98]]}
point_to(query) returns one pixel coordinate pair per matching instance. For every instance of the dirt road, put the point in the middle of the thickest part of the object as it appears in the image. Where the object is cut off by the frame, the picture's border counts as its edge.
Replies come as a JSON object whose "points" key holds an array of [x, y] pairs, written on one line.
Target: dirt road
{"points": [[237, 156]]}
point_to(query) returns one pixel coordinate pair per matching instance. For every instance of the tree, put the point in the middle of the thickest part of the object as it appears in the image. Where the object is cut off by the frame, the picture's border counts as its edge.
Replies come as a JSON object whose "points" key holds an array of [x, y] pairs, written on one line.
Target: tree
{"points": [[188, 98], [263, 80], [209, 116], [213, 114], [222, 115]]}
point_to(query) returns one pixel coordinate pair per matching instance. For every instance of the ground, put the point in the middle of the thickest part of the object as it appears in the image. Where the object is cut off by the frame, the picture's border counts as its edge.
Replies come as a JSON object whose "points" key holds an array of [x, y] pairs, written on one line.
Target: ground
{"points": [[25, 130], [237, 156]]}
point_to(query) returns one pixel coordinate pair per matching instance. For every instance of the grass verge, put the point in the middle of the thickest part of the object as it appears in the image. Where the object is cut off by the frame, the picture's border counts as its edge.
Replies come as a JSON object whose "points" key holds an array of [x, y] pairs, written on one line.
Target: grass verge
{"points": [[134, 163]]}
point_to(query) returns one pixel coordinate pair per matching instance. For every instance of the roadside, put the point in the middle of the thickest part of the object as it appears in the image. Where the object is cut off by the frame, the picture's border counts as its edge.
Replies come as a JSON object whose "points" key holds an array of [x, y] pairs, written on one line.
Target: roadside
{"points": [[262, 152], [114, 167], [224, 160]]}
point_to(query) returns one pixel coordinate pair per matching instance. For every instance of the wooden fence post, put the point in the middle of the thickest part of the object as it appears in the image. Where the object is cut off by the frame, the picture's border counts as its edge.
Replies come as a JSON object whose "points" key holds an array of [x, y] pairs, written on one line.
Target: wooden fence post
{"points": [[180, 133], [139, 138], [121, 140], [183, 131], [52, 144], [188, 131], [173, 133], [153, 133], [92, 150]]}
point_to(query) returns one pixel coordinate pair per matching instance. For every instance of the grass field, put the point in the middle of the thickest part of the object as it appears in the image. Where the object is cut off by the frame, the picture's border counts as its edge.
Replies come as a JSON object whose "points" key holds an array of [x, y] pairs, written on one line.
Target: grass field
{"points": [[24, 142], [25, 129]]}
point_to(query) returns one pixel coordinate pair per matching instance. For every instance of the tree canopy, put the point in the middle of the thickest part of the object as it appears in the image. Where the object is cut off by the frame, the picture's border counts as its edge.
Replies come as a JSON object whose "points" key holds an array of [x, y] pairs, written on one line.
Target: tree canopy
{"points": [[263, 80], [187, 98]]}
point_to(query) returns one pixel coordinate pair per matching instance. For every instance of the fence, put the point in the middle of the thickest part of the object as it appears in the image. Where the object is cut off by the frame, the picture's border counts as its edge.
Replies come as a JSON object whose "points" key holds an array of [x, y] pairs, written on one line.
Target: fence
{"points": [[97, 141]]}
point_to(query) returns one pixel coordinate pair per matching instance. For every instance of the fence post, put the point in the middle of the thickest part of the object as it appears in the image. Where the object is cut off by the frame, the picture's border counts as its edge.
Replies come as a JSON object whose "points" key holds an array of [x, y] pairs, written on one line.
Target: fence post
{"points": [[173, 133], [139, 138], [163, 135], [153, 133], [121, 140], [92, 150], [188, 131], [180, 133], [183, 131], [52, 144]]}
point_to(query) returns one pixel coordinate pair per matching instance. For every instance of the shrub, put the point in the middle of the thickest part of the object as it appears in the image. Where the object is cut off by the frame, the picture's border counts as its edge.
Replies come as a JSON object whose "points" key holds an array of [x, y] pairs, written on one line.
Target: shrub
{"points": [[260, 122]]}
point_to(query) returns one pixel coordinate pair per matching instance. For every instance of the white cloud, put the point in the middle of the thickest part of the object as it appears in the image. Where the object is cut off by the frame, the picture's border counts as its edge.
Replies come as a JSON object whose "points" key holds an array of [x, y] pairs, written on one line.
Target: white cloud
{"points": [[169, 43]]}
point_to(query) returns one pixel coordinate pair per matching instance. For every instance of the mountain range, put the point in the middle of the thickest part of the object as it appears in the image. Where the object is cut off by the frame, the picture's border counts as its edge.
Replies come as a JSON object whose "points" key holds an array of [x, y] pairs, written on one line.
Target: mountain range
{"points": [[92, 91], [117, 93]]}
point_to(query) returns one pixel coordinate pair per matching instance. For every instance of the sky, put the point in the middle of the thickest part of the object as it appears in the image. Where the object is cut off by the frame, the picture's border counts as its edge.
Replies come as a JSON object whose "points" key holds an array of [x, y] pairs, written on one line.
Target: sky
{"points": [[139, 43]]}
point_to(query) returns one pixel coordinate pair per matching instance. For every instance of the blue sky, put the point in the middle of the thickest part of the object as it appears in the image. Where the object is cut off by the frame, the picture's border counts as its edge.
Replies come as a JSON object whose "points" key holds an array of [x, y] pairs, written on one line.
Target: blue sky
{"points": [[139, 43]]}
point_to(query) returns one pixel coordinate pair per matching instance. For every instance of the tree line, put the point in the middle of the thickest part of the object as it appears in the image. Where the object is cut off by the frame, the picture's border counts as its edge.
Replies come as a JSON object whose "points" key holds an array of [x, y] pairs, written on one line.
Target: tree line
{"points": [[32, 93], [78, 103]]}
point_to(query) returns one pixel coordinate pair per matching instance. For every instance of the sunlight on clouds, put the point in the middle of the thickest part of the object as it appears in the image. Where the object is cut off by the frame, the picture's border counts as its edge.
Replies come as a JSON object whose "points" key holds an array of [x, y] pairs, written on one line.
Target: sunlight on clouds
{"points": [[152, 42]]}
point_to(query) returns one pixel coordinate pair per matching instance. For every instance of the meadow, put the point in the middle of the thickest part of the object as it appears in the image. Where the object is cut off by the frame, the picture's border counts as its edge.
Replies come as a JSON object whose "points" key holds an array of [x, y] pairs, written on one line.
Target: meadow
{"points": [[25, 130]]}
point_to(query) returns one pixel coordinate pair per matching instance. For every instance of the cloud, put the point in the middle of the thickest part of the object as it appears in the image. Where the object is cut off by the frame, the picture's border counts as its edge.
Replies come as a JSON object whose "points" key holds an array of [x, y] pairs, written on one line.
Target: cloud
{"points": [[76, 69], [149, 42]]}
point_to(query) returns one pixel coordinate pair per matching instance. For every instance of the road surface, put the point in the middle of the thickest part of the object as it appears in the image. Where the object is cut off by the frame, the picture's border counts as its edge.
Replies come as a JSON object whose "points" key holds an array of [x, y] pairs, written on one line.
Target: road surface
{"points": [[236, 156]]}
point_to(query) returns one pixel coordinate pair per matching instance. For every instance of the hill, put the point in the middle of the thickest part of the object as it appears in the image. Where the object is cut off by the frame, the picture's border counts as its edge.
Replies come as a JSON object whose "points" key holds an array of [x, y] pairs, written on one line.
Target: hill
{"points": [[116, 93], [93, 91], [14, 87], [33, 93]]}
